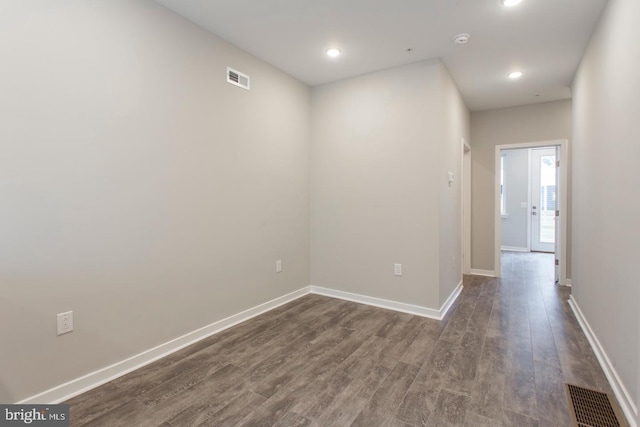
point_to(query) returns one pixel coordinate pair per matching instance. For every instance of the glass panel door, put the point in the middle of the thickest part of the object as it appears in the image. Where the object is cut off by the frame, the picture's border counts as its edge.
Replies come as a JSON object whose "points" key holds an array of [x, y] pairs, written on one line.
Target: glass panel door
{"points": [[543, 199]]}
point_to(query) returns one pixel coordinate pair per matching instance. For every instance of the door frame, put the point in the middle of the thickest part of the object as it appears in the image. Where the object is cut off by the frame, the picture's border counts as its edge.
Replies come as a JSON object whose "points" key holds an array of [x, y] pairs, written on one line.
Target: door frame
{"points": [[466, 207], [561, 246]]}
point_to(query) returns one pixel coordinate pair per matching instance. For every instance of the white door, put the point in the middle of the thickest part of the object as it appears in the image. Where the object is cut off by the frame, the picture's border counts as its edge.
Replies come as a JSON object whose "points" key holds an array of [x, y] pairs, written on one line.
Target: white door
{"points": [[559, 207], [543, 199]]}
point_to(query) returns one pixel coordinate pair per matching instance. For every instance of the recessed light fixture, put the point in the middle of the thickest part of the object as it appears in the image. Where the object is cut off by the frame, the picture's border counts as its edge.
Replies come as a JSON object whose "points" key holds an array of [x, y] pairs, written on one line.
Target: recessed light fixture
{"points": [[510, 3], [333, 52], [515, 75], [461, 38]]}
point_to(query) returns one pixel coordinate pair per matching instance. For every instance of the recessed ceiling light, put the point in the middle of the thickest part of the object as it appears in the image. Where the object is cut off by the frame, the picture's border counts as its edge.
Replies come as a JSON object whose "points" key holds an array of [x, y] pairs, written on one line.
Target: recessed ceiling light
{"points": [[515, 75], [461, 38], [510, 3], [333, 52]]}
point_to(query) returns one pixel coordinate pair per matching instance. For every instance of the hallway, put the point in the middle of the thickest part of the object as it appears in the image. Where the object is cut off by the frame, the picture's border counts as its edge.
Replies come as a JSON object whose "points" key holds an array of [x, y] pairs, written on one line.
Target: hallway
{"points": [[542, 338]]}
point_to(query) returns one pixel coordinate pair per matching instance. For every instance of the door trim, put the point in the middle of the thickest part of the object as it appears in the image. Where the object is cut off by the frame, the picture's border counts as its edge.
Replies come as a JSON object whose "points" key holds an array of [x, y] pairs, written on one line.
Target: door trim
{"points": [[561, 246], [466, 207]]}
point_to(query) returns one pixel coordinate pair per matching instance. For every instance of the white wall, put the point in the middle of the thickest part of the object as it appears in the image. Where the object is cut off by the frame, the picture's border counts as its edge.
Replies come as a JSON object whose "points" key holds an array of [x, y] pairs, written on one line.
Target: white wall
{"points": [[516, 184], [456, 127], [529, 123], [138, 188], [606, 150], [381, 148]]}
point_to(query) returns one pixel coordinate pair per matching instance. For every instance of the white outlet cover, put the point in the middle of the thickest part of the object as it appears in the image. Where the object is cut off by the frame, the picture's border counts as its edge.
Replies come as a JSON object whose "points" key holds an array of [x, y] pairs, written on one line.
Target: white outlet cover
{"points": [[397, 269], [65, 322]]}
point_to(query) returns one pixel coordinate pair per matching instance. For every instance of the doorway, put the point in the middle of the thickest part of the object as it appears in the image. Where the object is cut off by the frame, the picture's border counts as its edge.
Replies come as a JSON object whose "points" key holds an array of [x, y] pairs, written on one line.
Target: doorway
{"points": [[539, 208], [528, 178]]}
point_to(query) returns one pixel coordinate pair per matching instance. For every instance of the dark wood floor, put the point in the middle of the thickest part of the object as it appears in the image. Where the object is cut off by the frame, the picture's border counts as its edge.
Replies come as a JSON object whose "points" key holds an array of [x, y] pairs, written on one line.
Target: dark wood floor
{"points": [[500, 358]]}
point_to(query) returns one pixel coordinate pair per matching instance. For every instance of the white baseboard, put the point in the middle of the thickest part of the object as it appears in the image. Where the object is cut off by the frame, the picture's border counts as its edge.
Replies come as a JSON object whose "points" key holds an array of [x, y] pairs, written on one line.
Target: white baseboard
{"points": [[513, 249], [102, 376], [622, 394], [432, 313], [487, 273], [450, 300]]}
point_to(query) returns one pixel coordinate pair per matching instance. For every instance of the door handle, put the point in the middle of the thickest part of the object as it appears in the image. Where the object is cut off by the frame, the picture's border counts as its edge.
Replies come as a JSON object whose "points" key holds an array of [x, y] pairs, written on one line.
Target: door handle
{"points": [[534, 213]]}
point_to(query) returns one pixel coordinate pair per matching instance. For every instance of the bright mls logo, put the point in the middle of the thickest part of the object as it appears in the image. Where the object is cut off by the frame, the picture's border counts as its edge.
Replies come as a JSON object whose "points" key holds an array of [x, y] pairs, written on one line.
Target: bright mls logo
{"points": [[34, 415]]}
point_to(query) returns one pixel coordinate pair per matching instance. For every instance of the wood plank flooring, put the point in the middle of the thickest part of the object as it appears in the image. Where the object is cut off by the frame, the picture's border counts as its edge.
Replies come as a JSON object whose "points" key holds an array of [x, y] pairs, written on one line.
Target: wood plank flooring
{"points": [[499, 358]]}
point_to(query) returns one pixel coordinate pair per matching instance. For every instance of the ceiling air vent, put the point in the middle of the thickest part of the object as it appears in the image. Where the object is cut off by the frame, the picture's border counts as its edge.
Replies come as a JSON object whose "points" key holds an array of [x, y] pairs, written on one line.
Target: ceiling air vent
{"points": [[237, 78]]}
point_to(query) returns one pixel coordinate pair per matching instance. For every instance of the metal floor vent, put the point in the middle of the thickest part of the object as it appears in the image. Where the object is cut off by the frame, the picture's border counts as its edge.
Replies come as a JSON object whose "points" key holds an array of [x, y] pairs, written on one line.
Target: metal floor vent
{"points": [[591, 408]]}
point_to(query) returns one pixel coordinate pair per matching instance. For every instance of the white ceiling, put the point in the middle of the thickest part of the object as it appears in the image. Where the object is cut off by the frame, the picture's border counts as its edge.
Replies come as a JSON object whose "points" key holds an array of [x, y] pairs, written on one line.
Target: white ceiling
{"points": [[543, 38]]}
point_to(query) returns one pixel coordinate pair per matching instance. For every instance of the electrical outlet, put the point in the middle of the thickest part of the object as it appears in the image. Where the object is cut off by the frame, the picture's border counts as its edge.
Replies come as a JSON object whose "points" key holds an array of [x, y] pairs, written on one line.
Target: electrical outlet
{"points": [[279, 266], [65, 322], [397, 269]]}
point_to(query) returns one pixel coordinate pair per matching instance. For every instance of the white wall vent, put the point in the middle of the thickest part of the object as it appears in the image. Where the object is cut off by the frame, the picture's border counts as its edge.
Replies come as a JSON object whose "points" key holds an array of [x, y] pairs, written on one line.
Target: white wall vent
{"points": [[237, 78]]}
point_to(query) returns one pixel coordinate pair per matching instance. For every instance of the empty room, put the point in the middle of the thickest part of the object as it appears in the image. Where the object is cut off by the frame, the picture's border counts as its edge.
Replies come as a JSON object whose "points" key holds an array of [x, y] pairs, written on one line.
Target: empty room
{"points": [[324, 213]]}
